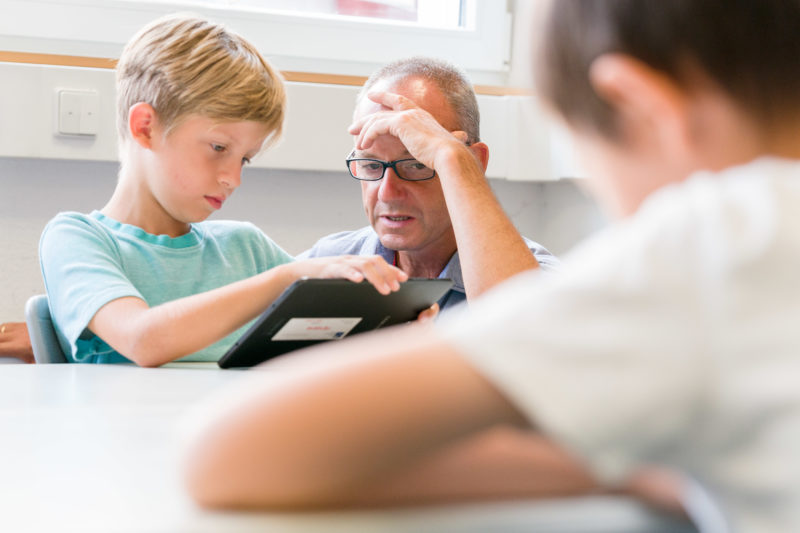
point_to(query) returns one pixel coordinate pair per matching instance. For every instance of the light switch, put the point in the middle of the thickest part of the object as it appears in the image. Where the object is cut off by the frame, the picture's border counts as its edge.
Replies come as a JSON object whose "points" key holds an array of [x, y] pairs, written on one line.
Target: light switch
{"points": [[89, 113], [78, 112]]}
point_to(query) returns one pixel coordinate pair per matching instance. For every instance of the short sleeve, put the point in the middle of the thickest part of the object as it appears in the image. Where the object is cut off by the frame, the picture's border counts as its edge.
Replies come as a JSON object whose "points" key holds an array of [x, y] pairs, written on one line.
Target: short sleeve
{"points": [[273, 255], [308, 254], [82, 272], [547, 261], [363, 241], [602, 356]]}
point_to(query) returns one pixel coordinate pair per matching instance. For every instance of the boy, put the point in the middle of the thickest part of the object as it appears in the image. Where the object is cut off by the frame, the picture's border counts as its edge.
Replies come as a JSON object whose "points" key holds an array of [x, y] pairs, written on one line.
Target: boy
{"points": [[671, 338], [145, 279]]}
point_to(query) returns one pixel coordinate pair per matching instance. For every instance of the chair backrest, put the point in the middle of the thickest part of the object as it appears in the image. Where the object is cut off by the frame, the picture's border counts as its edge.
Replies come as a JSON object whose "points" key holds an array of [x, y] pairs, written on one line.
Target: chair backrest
{"points": [[44, 341]]}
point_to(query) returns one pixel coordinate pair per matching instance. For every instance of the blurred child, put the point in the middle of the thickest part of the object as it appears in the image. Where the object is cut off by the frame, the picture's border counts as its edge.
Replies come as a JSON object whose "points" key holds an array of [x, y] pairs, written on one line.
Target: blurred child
{"points": [[147, 279], [671, 338]]}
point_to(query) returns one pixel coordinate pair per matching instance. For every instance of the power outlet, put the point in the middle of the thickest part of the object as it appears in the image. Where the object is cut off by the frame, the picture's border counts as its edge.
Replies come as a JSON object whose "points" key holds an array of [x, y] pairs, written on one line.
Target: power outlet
{"points": [[78, 112]]}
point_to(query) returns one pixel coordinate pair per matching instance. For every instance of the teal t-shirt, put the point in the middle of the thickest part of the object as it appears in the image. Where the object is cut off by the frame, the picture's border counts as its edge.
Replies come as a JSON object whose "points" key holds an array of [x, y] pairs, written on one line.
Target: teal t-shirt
{"points": [[89, 260]]}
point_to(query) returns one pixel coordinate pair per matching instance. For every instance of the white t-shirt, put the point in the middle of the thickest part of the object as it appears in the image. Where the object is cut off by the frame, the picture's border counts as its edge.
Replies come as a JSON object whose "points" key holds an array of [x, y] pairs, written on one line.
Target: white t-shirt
{"points": [[671, 338]]}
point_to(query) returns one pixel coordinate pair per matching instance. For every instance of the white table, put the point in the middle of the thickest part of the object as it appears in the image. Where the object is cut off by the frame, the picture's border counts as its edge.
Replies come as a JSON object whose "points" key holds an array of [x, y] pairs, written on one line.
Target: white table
{"points": [[91, 448]]}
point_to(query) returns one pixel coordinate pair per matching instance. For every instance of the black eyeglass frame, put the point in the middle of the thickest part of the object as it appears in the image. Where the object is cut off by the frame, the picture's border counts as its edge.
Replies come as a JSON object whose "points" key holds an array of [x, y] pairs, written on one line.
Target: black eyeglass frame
{"points": [[386, 164]]}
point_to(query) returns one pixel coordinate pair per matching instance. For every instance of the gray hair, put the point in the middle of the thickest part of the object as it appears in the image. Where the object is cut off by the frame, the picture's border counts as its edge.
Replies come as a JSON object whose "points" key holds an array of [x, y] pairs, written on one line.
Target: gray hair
{"points": [[451, 80]]}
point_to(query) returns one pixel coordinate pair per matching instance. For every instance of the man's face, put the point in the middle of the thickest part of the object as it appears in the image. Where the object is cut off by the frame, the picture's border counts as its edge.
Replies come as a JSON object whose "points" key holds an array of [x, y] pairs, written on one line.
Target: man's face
{"points": [[407, 215]]}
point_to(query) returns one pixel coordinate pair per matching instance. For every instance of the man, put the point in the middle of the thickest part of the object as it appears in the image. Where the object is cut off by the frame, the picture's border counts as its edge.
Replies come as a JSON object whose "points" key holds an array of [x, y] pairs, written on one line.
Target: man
{"points": [[443, 224]]}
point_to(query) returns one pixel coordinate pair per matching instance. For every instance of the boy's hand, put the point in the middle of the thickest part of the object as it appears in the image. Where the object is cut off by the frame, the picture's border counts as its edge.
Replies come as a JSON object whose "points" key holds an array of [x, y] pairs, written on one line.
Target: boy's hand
{"points": [[373, 268]]}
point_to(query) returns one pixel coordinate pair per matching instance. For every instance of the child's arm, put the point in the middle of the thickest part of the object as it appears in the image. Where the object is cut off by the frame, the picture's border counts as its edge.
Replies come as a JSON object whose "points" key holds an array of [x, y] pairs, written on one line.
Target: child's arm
{"points": [[158, 335], [323, 427]]}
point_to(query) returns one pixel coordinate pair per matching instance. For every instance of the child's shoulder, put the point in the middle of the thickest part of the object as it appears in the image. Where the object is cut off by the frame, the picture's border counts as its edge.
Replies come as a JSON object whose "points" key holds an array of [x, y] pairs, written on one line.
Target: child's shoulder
{"points": [[71, 221], [69, 234], [72, 217]]}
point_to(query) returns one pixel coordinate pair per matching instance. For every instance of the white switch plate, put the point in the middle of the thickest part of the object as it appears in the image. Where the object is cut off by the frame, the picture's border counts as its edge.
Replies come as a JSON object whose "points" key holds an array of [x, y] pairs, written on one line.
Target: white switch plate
{"points": [[78, 112]]}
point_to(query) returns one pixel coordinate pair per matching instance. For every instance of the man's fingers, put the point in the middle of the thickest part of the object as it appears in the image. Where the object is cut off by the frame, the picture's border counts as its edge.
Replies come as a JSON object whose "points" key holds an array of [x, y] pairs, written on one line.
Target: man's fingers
{"points": [[428, 314], [356, 126], [393, 101], [461, 136], [372, 128]]}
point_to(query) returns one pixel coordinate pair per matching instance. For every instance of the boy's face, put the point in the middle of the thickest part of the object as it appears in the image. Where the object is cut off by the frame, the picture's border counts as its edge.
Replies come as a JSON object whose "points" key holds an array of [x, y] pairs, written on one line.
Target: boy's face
{"points": [[668, 131], [621, 176], [195, 167]]}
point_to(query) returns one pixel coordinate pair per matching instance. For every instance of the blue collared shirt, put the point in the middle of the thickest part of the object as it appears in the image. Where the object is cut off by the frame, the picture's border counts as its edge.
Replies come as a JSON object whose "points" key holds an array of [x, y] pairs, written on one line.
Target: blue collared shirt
{"points": [[365, 241]]}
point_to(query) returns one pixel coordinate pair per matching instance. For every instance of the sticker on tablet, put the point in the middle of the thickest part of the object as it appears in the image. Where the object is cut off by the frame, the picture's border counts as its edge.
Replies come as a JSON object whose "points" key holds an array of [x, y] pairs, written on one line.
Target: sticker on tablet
{"points": [[315, 329]]}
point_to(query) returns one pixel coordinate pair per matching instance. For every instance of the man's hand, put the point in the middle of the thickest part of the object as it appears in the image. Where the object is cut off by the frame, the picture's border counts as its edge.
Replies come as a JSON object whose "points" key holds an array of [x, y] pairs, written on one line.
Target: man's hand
{"points": [[428, 314], [424, 138], [15, 342]]}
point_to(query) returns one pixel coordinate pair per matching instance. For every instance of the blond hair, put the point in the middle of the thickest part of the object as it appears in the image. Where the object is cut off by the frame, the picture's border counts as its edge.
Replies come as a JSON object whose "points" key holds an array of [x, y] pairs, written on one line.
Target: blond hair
{"points": [[184, 65]]}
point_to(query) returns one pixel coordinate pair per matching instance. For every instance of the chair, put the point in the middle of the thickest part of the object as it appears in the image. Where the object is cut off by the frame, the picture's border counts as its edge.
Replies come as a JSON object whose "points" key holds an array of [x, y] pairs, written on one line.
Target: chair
{"points": [[44, 341]]}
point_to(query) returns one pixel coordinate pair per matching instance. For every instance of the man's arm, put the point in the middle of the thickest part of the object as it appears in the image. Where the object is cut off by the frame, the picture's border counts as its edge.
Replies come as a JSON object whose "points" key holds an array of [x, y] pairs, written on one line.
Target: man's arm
{"points": [[326, 426], [490, 247]]}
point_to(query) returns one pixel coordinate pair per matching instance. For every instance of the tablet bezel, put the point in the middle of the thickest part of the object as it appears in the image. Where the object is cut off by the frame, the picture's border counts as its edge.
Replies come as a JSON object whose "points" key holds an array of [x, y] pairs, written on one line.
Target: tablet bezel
{"points": [[331, 298]]}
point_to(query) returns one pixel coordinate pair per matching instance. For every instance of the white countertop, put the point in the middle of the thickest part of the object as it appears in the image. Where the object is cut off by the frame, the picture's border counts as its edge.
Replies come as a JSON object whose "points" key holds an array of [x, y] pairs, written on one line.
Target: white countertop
{"points": [[90, 448]]}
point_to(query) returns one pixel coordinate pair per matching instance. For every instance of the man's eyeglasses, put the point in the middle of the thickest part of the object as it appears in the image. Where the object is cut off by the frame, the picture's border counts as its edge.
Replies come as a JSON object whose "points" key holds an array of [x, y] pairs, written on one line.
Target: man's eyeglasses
{"points": [[374, 169]]}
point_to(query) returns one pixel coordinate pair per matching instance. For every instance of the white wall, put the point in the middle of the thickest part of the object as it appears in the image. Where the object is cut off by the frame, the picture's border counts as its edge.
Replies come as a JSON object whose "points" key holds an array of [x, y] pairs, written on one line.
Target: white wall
{"points": [[315, 137], [294, 207]]}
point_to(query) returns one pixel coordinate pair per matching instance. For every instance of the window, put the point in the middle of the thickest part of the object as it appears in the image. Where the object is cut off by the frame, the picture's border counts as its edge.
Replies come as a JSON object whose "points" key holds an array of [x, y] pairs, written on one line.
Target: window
{"points": [[430, 13], [332, 36]]}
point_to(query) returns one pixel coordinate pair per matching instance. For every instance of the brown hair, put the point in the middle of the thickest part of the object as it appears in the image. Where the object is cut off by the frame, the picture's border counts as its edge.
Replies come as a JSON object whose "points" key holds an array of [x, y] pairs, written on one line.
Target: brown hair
{"points": [[749, 48], [183, 65]]}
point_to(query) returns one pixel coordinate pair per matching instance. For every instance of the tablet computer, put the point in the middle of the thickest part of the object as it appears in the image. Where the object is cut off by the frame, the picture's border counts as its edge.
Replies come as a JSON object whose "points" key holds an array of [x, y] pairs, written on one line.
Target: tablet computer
{"points": [[311, 311]]}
